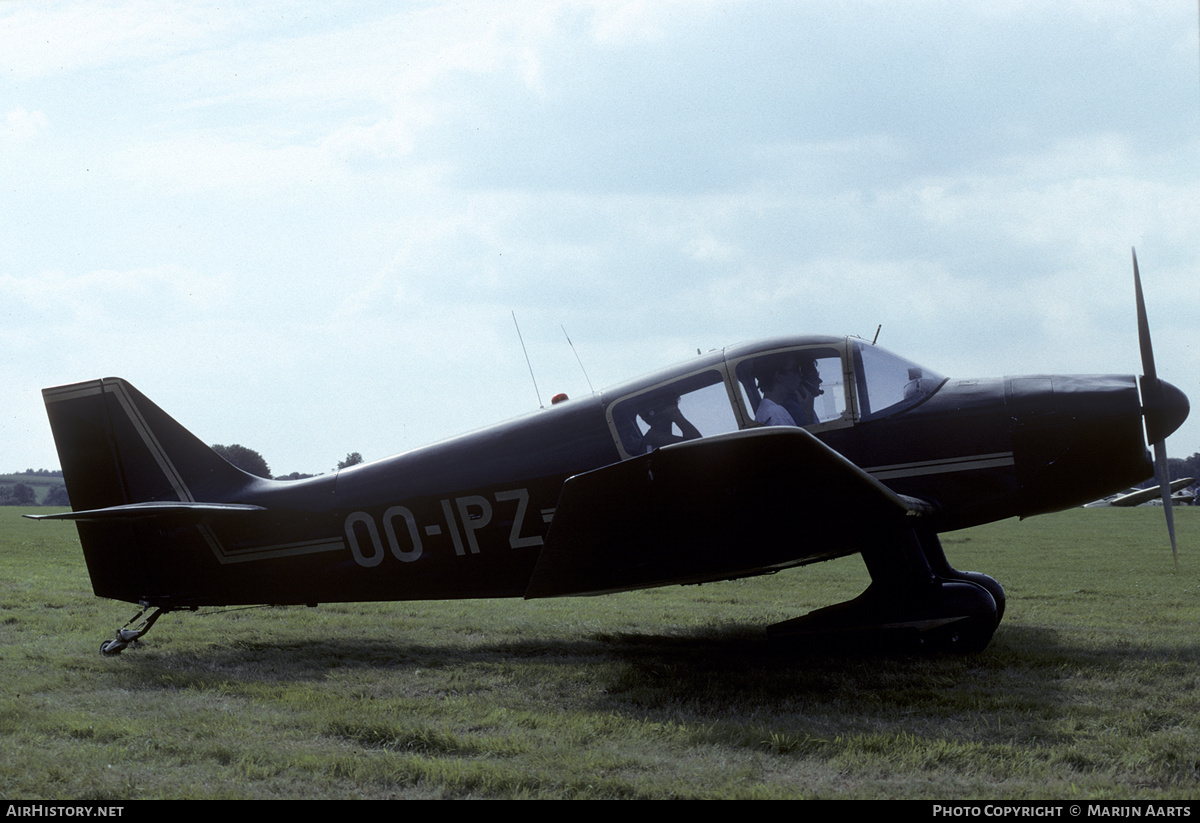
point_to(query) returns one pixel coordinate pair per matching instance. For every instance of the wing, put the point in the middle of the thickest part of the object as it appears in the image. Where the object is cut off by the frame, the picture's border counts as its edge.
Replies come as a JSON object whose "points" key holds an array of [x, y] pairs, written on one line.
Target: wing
{"points": [[728, 506], [1141, 496]]}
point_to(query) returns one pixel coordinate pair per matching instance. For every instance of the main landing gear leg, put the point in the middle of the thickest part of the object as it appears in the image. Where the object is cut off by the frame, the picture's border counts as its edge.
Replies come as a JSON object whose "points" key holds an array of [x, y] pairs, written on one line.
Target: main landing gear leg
{"points": [[127, 635], [915, 597]]}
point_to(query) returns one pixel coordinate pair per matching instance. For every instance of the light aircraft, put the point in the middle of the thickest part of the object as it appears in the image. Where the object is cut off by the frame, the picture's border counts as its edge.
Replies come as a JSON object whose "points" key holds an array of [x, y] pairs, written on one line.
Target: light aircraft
{"points": [[667, 479], [1137, 497]]}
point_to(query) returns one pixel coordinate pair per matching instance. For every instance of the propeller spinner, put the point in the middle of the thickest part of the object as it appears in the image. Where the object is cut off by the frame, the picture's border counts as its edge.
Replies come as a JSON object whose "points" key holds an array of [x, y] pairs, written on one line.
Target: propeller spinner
{"points": [[1164, 407]]}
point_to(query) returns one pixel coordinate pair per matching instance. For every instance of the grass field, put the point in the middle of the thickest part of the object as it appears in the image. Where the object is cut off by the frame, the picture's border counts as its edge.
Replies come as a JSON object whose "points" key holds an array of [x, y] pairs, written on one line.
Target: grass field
{"points": [[1090, 688]]}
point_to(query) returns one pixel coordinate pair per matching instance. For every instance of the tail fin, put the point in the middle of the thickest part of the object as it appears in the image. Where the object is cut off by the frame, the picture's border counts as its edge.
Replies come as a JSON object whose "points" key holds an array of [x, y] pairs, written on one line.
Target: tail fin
{"points": [[132, 472], [118, 448]]}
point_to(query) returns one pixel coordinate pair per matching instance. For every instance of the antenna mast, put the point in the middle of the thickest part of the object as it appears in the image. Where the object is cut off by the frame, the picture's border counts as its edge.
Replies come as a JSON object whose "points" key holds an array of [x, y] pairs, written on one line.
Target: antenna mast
{"points": [[527, 363], [581, 368]]}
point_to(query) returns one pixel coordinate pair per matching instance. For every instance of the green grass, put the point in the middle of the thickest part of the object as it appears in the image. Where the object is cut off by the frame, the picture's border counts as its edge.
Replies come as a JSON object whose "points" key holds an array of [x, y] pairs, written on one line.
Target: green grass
{"points": [[1090, 688]]}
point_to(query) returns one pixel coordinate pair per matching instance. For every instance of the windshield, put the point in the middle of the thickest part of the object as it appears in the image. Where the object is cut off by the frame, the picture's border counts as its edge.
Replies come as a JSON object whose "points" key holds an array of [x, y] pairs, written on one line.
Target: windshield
{"points": [[888, 384]]}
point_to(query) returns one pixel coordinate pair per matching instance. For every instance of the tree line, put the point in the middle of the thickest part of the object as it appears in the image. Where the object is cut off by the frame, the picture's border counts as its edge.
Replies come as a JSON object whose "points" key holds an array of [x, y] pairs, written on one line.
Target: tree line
{"points": [[250, 461], [1184, 467], [22, 493], [25, 494]]}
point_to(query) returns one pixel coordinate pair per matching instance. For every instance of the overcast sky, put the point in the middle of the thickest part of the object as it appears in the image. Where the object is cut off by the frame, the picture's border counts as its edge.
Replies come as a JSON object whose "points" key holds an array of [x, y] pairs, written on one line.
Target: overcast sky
{"points": [[305, 227]]}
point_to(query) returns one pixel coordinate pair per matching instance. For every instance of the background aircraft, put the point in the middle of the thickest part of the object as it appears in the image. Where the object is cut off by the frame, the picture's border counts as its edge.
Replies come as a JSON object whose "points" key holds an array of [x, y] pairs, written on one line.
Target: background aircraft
{"points": [[667, 479], [1150, 494]]}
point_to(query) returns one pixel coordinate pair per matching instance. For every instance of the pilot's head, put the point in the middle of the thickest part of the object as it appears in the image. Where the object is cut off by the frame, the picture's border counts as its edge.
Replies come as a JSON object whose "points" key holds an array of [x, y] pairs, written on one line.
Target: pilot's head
{"points": [[810, 377], [775, 368]]}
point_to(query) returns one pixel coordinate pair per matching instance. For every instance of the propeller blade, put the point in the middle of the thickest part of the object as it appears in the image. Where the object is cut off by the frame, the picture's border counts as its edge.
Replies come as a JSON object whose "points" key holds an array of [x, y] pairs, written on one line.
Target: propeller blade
{"points": [[1155, 407], [1164, 487], [1148, 370]]}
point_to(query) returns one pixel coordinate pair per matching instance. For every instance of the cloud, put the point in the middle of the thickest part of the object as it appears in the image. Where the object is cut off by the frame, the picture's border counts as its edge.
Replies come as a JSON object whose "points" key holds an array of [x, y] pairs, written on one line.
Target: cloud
{"points": [[55, 39], [157, 297], [358, 196], [23, 127], [199, 163]]}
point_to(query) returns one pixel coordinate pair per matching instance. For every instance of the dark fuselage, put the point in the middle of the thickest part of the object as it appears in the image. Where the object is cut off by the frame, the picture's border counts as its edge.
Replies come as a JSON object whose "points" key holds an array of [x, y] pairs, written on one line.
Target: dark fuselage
{"points": [[469, 517]]}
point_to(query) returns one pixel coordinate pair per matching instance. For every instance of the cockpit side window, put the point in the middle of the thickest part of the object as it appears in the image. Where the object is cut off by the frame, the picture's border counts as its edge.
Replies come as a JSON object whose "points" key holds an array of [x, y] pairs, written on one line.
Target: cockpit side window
{"points": [[690, 407], [800, 387]]}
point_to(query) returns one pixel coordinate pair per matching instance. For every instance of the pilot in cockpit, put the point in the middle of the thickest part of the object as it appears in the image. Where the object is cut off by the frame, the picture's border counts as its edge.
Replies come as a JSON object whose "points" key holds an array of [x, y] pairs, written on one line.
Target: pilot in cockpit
{"points": [[789, 383]]}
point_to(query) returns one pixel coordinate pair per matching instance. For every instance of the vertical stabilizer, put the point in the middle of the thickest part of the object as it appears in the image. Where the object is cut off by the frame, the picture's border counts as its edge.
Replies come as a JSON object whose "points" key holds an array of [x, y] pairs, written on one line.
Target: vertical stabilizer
{"points": [[116, 449]]}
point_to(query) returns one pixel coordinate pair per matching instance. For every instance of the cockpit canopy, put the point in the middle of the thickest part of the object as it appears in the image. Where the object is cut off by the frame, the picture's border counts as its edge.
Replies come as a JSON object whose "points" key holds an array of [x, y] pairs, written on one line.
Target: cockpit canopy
{"points": [[816, 383]]}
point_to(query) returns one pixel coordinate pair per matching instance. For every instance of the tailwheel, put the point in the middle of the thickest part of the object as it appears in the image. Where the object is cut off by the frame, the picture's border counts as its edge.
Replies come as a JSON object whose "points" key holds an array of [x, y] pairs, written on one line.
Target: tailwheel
{"points": [[127, 635]]}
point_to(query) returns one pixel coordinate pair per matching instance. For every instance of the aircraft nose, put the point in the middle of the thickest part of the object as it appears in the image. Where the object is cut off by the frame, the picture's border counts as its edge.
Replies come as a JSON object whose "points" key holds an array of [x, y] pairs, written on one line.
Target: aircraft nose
{"points": [[1165, 410]]}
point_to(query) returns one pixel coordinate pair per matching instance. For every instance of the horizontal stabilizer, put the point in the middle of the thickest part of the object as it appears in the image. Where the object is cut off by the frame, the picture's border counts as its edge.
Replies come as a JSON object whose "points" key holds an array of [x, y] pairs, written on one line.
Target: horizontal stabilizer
{"points": [[738, 504], [177, 511]]}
